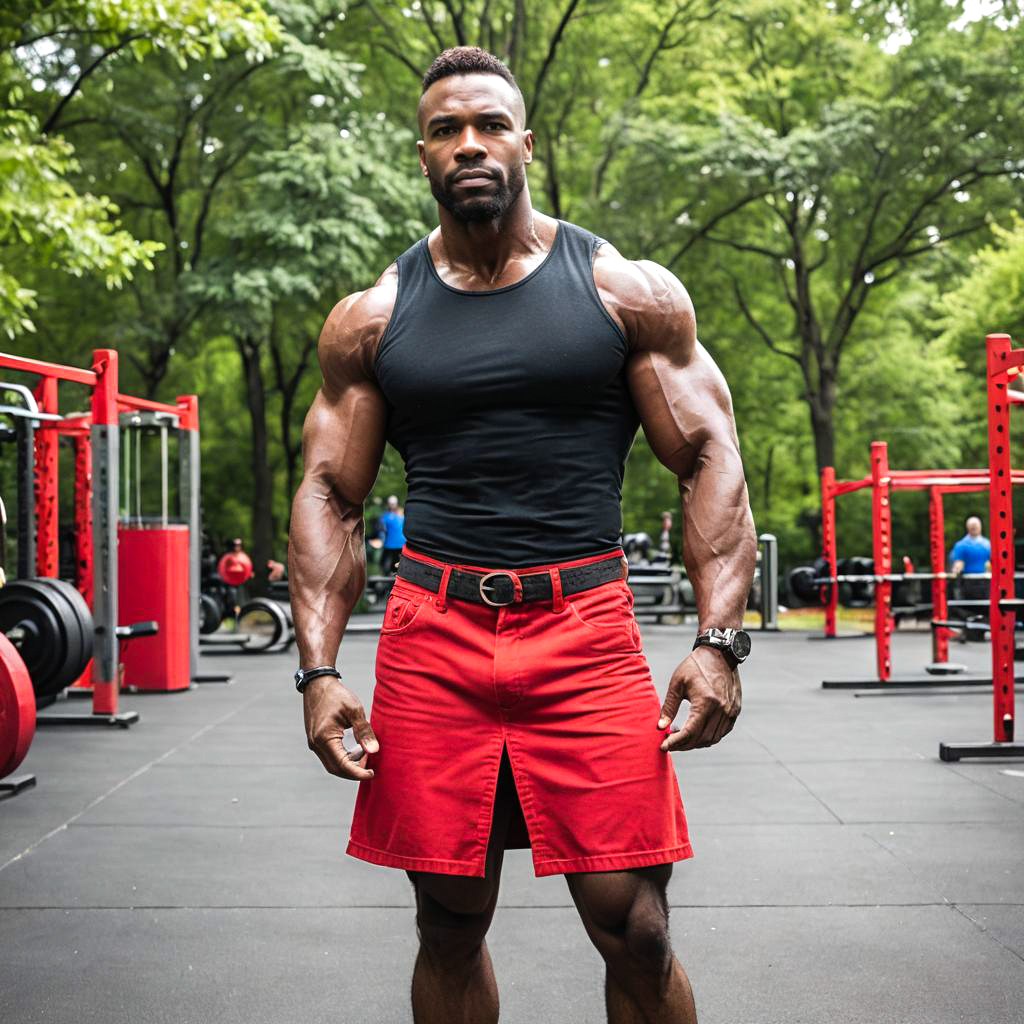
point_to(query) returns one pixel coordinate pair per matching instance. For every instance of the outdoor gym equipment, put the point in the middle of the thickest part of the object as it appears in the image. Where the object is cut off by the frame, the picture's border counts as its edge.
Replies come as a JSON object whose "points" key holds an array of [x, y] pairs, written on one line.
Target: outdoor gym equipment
{"points": [[1003, 363], [882, 482], [61, 628]]}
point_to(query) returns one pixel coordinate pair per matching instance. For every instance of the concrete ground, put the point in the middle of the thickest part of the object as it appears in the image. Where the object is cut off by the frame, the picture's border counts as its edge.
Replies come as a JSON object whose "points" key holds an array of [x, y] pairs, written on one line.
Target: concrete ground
{"points": [[191, 868]]}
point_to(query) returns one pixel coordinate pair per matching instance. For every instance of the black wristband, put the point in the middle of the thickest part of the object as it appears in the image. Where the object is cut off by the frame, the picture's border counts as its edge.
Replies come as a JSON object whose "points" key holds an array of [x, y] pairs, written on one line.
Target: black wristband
{"points": [[304, 676]]}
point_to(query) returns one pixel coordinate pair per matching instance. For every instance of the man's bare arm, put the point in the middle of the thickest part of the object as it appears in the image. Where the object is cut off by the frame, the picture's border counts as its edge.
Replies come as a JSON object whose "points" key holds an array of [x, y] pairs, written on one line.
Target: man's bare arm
{"points": [[342, 444], [686, 412]]}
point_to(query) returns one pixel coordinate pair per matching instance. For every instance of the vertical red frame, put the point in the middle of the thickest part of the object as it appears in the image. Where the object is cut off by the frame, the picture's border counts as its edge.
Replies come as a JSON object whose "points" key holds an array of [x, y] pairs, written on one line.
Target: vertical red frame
{"points": [[937, 546], [1003, 363], [881, 524], [46, 482], [828, 544]]}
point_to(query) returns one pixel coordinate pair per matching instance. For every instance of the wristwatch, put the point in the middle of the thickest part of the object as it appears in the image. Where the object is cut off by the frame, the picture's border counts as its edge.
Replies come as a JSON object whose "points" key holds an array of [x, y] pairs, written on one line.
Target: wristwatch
{"points": [[304, 675], [733, 643]]}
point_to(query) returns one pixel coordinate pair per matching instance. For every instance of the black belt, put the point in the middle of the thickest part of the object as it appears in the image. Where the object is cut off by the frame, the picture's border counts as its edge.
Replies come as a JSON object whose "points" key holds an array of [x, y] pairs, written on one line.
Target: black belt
{"points": [[498, 589]]}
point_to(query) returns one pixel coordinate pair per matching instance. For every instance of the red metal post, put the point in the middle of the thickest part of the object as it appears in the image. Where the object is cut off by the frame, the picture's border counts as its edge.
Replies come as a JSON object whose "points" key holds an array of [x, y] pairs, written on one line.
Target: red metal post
{"points": [[937, 538], [1000, 359], [83, 516], [881, 528], [105, 455], [828, 542], [46, 462]]}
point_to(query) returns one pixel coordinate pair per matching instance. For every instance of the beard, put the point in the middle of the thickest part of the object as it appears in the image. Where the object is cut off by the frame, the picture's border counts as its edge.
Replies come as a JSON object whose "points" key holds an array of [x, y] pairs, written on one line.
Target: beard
{"points": [[479, 208]]}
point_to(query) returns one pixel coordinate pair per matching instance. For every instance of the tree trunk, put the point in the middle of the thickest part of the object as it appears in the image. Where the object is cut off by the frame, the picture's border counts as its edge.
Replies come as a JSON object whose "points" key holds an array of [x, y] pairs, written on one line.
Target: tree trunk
{"points": [[262, 525], [823, 428]]}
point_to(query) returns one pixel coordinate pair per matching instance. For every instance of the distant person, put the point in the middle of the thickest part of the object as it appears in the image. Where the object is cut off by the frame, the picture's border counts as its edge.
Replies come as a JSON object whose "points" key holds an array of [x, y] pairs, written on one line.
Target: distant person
{"points": [[391, 532], [235, 592], [972, 554], [665, 538]]}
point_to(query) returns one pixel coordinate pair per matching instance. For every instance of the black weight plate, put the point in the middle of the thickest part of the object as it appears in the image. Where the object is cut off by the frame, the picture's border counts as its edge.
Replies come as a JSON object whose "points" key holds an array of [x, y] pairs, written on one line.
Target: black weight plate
{"points": [[211, 613], [43, 640], [264, 623], [72, 629], [801, 584], [80, 629]]}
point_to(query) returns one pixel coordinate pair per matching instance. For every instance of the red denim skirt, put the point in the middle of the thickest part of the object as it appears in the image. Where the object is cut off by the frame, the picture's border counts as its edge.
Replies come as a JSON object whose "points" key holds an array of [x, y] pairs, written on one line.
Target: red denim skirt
{"points": [[563, 687]]}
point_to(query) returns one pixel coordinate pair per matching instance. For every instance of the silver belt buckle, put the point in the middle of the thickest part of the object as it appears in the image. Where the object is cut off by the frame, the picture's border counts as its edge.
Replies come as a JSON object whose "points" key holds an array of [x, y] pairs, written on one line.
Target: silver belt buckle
{"points": [[497, 604]]}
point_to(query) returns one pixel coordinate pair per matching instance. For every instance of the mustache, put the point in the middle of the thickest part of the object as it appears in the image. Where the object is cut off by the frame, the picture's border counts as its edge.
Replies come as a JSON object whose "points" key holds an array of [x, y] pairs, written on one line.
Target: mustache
{"points": [[466, 171]]}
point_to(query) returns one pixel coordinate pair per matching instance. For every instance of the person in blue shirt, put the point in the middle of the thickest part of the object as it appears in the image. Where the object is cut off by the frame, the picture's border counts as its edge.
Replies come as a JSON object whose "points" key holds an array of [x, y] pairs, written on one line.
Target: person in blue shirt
{"points": [[972, 554], [391, 530]]}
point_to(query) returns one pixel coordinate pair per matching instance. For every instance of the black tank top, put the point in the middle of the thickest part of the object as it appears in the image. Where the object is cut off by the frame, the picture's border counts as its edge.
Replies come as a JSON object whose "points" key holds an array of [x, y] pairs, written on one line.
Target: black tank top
{"points": [[510, 410]]}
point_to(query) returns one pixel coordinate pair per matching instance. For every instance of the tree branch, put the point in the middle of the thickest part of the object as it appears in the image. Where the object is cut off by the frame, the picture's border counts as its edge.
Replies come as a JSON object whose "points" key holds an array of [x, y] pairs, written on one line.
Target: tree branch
{"points": [[51, 122], [549, 58], [717, 219], [745, 247], [456, 16], [432, 28], [756, 324]]}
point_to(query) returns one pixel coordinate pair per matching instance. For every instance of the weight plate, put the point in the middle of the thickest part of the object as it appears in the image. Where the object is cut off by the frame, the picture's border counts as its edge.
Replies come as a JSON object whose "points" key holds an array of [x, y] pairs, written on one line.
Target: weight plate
{"points": [[33, 624], [801, 584], [263, 622], [211, 613], [17, 708], [80, 629]]}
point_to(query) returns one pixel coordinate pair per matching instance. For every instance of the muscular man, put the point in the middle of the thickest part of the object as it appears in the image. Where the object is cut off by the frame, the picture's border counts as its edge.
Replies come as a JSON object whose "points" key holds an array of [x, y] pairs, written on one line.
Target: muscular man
{"points": [[510, 358]]}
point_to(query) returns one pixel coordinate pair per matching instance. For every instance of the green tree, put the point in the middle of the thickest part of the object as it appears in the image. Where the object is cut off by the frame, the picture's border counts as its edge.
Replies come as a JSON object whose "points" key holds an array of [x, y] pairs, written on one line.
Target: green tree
{"points": [[311, 225], [49, 54], [825, 166]]}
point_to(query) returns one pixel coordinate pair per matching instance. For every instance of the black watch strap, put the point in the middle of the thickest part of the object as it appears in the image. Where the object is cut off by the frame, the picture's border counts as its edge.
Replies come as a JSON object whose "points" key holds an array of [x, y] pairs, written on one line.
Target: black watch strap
{"points": [[304, 676]]}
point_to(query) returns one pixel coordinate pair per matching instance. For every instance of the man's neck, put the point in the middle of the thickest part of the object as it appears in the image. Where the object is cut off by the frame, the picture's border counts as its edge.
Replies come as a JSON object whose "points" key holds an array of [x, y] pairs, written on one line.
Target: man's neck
{"points": [[484, 249]]}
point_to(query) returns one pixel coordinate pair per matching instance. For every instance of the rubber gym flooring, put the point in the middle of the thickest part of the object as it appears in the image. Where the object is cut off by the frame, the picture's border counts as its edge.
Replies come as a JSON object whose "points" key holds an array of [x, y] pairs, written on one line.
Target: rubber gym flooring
{"points": [[190, 868]]}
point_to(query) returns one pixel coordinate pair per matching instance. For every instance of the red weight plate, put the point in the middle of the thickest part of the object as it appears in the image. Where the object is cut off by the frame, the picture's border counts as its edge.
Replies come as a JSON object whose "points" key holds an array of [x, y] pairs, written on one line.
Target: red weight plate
{"points": [[17, 708], [235, 568]]}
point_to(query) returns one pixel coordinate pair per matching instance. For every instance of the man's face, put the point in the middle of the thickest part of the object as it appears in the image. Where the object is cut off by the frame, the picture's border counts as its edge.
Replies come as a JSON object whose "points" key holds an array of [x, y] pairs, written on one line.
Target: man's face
{"points": [[474, 148], [974, 527]]}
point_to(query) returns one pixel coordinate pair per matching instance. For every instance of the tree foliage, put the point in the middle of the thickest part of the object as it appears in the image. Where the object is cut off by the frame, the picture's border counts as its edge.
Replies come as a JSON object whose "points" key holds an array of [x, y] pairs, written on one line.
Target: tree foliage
{"points": [[834, 182], [50, 53]]}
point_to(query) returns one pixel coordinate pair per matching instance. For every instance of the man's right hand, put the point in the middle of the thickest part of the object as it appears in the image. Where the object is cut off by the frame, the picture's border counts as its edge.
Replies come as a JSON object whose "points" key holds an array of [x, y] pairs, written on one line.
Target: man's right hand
{"points": [[330, 708]]}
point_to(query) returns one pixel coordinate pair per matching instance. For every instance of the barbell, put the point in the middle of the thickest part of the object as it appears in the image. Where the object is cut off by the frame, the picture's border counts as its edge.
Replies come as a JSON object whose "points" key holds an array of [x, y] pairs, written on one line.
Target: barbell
{"points": [[901, 577]]}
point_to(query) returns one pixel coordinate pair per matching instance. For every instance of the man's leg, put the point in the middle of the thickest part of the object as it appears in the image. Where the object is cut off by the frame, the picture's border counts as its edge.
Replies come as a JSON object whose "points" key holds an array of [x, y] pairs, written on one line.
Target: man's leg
{"points": [[453, 981], [626, 916]]}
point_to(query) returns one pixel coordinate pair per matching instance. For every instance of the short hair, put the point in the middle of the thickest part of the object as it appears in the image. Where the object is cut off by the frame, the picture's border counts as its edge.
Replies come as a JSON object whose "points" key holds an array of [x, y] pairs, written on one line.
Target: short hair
{"points": [[471, 60], [466, 60]]}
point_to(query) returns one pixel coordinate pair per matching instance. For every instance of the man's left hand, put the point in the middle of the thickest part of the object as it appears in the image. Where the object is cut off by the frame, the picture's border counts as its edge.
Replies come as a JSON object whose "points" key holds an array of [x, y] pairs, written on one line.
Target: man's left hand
{"points": [[712, 688]]}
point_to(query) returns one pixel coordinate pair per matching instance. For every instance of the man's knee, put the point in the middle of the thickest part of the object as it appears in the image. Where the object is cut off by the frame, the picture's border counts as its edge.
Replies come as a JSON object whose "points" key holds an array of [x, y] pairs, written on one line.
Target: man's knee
{"points": [[626, 915], [453, 914]]}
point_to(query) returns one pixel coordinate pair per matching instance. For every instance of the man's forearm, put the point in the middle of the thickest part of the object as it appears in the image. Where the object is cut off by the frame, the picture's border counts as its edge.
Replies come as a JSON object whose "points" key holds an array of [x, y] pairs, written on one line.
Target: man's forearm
{"points": [[719, 544], [327, 570]]}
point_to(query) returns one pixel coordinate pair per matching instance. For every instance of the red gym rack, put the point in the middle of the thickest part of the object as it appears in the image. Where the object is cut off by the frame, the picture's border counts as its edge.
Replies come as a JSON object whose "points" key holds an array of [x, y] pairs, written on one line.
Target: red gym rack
{"points": [[883, 481], [1003, 363], [96, 437]]}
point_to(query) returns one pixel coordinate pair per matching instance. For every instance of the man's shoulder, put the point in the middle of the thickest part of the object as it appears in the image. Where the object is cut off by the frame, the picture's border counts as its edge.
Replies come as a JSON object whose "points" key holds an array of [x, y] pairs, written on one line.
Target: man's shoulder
{"points": [[356, 324], [642, 282], [647, 298]]}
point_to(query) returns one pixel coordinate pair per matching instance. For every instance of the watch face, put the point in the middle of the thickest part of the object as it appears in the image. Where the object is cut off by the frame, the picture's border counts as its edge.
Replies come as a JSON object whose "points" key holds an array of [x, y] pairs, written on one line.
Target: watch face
{"points": [[741, 644]]}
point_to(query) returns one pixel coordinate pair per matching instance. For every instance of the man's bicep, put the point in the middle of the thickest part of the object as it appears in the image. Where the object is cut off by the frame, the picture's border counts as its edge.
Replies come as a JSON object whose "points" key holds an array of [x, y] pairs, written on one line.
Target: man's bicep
{"points": [[683, 402], [343, 440]]}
